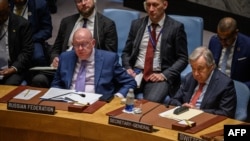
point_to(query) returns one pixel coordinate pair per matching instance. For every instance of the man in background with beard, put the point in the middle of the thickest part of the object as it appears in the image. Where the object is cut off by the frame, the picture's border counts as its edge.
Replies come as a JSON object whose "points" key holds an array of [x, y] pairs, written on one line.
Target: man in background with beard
{"points": [[103, 29]]}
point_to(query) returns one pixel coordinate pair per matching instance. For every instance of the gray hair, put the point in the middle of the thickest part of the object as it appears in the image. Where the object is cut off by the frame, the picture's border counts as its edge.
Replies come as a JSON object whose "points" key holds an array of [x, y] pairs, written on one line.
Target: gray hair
{"points": [[202, 51]]}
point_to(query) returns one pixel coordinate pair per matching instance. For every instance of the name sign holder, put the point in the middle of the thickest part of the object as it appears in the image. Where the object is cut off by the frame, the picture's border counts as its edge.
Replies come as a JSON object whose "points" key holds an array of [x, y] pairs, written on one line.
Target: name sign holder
{"points": [[185, 137], [31, 108], [130, 124]]}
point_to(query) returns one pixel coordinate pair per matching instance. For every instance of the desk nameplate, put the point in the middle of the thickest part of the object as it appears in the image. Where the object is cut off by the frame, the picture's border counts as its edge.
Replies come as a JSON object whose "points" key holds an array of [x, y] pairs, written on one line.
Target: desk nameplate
{"points": [[185, 137], [31, 108], [131, 124]]}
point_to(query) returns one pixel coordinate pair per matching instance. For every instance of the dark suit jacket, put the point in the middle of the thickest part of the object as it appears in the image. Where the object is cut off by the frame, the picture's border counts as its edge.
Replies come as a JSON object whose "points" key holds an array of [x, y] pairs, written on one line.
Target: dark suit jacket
{"points": [[20, 42], [40, 19], [173, 50], [104, 33], [240, 69], [108, 71], [219, 99]]}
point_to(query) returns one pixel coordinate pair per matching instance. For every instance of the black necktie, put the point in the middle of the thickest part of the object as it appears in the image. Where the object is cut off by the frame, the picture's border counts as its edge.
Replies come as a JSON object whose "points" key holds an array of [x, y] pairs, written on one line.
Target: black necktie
{"points": [[84, 22]]}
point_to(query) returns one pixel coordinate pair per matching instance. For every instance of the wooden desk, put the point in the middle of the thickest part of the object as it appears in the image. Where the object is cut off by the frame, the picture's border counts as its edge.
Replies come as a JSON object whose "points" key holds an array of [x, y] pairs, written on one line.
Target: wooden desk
{"points": [[69, 126]]}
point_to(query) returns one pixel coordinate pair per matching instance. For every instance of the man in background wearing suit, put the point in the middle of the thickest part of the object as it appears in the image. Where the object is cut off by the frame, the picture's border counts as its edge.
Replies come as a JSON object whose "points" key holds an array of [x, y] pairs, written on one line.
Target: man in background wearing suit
{"points": [[169, 51], [206, 87], [38, 14], [100, 68], [16, 46], [231, 50], [102, 28]]}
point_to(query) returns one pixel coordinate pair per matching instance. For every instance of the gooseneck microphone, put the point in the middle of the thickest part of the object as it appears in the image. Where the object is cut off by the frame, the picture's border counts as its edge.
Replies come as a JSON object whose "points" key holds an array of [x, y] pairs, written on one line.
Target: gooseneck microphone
{"points": [[77, 93], [149, 111]]}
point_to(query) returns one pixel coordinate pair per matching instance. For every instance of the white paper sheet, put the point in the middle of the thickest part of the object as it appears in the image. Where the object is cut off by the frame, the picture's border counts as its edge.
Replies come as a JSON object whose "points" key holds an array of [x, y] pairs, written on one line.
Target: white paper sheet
{"points": [[184, 116], [89, 98], [27, 94], [70, 96], [56, 92], [138, 79], [43, 68]]}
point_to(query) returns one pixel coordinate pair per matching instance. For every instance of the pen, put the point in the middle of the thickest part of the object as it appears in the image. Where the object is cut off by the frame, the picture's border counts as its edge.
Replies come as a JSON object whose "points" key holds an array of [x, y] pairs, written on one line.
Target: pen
{"points": [[27, 93], [79, 103], [188, 123]]}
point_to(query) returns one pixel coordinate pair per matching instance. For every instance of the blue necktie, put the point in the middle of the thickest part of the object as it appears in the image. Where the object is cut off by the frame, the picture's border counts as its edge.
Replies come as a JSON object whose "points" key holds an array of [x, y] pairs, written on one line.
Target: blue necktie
{"points": [[224, 60], [80, 81]]}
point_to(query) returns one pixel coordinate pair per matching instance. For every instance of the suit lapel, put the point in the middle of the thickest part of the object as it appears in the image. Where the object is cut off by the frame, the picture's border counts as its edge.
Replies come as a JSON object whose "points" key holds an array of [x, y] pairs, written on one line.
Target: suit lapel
{"points": [[12, 34], [70, 26], [211, 86], [190, 83], [140, 31], [98, 66], [165, 31], [97, 17], [71, 65], [237, 52]]}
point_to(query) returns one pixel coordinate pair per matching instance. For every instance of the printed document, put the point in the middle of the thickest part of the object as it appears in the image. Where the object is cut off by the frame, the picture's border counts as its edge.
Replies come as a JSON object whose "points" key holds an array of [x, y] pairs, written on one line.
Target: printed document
{"points": [[27, 94], [184, 116], [67, 95]]}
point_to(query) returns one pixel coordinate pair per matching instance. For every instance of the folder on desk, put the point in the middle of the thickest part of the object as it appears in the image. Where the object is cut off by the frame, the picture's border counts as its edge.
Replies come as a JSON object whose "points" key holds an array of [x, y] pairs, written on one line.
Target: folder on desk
{"points": [[67, 95]]}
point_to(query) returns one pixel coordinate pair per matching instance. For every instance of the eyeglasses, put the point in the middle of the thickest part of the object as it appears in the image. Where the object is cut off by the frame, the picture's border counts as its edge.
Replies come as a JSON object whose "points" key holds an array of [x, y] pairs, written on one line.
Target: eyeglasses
{"points": [[83, 45]]}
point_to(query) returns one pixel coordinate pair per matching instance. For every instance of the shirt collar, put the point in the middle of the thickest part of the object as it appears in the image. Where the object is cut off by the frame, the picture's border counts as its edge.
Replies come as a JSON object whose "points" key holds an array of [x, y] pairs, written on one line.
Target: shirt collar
{"points": [[209, 78], [160, 23]]}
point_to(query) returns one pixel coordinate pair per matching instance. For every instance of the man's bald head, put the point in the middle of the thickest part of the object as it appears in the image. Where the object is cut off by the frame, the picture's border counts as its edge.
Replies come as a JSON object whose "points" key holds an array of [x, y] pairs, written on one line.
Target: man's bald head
{"points": [[82, 33], [83, 43]]}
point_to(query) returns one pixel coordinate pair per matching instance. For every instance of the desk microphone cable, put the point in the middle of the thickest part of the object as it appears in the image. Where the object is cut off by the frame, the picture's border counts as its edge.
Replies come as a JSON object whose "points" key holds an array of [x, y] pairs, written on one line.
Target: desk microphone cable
{"points": [[81, 94], [148, 112]]}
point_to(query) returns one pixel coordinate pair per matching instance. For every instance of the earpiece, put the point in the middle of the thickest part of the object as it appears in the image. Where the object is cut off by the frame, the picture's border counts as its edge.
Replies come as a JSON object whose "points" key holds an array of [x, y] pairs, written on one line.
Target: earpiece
{"points": [[96, 22], [145, 6]]}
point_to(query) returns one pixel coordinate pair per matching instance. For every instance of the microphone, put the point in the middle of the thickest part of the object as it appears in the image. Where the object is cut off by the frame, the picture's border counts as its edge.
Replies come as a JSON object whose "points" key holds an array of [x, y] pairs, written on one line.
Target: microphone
{"points": [[148, 112], [167, 104], [56, 98], [81, 94]]}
